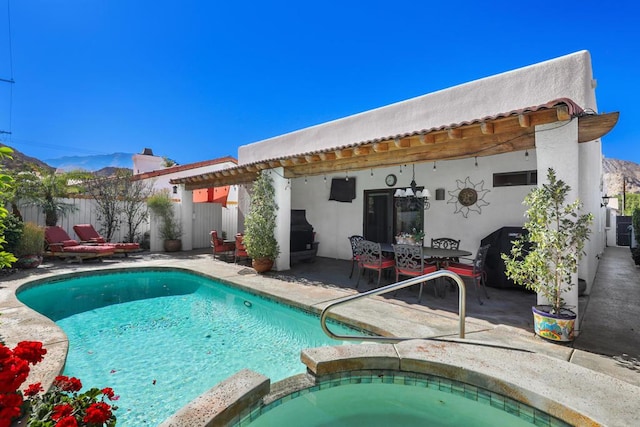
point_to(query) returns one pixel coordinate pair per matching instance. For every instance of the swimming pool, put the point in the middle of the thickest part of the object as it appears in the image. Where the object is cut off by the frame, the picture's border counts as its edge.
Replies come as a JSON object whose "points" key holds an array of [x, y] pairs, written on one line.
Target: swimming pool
{"points": [[161, 338]]}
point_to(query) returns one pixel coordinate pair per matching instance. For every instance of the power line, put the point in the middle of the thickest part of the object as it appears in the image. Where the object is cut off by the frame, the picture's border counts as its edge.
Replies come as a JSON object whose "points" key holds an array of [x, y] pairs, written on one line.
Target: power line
{"points": [[10, 79]]}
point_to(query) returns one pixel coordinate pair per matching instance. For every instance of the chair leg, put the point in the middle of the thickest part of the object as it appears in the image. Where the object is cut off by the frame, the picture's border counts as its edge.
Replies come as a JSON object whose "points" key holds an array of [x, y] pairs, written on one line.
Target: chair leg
{"points": [[353, 261], [476, 282], [358, 281], [483, 280]]}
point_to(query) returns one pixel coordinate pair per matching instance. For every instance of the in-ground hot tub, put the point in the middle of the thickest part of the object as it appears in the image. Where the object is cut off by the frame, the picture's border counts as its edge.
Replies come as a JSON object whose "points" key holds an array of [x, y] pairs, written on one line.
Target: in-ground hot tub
{"points": [[346, 386]]}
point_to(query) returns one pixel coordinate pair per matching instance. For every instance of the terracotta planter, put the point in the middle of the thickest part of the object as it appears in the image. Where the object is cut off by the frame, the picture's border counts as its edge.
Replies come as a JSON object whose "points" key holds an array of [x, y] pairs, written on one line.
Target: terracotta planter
{"points": [[554, 327], [173, 245], [29, 261], [262, 265]]}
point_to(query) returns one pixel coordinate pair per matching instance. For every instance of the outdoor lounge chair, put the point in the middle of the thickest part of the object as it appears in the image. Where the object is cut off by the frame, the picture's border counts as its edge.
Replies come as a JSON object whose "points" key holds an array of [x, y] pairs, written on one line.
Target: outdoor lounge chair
{"points": [[60, 245], [88, 235]]}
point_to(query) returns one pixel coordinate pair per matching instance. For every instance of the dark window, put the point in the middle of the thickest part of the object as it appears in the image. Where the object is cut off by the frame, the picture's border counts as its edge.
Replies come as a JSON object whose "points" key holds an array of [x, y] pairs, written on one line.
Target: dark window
{"points": [[508, 179]]}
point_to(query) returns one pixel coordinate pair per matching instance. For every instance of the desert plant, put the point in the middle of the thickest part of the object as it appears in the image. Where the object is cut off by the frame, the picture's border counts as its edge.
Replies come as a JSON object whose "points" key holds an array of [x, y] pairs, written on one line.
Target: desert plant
{"points": [[31, 241], [161, 205], [45, 189], [546, 256], [260, 222]]}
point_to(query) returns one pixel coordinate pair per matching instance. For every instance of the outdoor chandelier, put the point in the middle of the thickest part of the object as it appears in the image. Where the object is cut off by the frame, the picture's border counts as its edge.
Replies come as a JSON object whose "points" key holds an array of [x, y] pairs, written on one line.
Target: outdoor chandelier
{"points": [[416, 197]]}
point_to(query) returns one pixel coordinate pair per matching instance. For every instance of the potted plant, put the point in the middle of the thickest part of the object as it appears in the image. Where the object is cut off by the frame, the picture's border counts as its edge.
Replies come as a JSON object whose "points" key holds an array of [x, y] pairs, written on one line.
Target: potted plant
{"points": [[260, 224], [30, 247], [547, 255], [170, 230]]}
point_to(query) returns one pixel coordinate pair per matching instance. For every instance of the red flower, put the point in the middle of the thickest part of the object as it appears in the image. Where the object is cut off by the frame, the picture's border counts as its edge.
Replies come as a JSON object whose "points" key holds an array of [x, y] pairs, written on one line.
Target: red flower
{"points": [[97, 413], [109, 394], [5, 353], [67, 422], [70, 384], [9, 408], [33, 389], [13, 372], [61, 411], [31, 351]]}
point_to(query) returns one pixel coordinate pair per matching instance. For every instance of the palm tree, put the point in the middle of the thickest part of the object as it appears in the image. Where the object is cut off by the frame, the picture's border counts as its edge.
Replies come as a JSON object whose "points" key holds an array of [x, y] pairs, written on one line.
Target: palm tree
{"points": [[45, 189]]}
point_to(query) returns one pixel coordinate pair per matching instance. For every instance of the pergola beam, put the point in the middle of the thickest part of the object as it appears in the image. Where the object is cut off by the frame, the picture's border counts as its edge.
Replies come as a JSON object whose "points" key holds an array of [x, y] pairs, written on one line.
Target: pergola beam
{"points": [[502, 134]]}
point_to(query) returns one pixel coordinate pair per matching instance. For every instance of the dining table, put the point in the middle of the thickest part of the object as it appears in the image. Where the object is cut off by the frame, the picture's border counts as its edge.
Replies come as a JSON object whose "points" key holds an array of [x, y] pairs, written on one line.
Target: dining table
{"points": [[433, 253]]}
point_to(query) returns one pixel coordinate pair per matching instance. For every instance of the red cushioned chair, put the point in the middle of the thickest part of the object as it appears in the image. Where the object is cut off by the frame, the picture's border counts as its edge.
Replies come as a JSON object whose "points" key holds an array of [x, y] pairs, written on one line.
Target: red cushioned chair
{"points": [[409, 261], [60, 245], [371, 258], [221, 248], [473, 270], [241, 249], [89, 235]]}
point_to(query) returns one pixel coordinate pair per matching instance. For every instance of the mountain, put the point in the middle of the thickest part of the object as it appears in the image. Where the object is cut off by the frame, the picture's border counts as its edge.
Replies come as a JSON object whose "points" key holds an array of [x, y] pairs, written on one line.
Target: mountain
{"points": [[19, 161], [93, 163], [614, 172]]}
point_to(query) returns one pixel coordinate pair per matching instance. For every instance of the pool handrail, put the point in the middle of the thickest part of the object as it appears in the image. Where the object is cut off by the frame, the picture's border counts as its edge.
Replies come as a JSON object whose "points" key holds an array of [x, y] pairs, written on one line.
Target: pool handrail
{"points": [[394, 287]]}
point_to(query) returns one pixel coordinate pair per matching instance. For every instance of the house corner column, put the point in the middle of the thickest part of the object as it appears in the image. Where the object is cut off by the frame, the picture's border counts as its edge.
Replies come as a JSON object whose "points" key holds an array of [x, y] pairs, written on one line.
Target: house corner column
{"points": [[282, 232], [557, 148], [186, 217]]}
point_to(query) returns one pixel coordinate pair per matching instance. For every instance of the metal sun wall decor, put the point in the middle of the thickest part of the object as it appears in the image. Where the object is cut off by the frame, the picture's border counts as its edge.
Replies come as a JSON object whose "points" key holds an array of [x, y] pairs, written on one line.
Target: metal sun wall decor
{"points": [[468, 197]]}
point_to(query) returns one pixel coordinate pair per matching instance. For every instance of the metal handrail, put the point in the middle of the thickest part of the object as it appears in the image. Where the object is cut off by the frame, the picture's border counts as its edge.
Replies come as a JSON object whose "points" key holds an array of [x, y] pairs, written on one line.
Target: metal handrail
{"points": [[393, 287]]}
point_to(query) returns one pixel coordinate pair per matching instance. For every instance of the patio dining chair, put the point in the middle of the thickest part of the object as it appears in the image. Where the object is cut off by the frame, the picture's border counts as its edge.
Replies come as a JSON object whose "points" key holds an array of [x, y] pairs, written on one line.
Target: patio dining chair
{"points": [[241, 249], [355, 251], [219, 246], [371, 258], [474, 270], [409, 261], [445, 243]]}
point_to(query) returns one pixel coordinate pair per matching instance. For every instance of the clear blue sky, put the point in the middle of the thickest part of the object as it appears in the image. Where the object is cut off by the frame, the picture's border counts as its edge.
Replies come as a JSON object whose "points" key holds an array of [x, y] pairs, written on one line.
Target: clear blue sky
{"points": [[193, 80]]}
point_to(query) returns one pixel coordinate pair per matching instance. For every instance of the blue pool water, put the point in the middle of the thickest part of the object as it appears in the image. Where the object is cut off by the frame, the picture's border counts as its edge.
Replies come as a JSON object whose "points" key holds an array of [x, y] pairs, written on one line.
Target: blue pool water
{"points": [[161, 338]]}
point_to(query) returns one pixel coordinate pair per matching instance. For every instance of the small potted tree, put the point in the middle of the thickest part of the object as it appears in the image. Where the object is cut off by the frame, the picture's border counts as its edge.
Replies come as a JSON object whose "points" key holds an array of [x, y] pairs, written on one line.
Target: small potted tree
{"points": [[30, 247], [260, 224], [547, 255], [170, 230]]}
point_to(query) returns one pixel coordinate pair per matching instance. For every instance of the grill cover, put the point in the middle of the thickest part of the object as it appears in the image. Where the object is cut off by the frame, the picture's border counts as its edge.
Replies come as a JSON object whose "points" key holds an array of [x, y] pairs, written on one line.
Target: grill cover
{"points": [[301, 238]]}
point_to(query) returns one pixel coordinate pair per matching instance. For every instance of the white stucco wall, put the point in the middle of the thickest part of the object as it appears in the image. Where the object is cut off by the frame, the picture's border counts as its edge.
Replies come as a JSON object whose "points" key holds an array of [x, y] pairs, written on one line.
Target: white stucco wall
{"points": [[568, 76], [335, 221]]}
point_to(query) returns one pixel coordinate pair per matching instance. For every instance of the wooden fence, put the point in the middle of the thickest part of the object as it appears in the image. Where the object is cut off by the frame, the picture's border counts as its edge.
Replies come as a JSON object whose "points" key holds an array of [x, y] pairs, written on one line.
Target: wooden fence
{"points": [[205, 217]]}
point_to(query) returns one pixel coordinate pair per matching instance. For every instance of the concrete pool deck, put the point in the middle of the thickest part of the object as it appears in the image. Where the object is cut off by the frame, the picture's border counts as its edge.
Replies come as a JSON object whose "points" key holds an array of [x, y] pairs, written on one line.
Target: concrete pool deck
{"points": [[605, 344]]}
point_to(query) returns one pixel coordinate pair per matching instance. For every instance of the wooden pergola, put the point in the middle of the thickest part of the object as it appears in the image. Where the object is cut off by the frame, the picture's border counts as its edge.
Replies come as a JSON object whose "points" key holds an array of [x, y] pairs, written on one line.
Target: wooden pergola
{"points": [[502, 133]]}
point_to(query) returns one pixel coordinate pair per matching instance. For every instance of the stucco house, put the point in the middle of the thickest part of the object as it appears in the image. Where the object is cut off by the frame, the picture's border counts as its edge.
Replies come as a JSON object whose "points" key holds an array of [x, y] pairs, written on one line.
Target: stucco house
{"points": [[478, 148], [212, 208]]}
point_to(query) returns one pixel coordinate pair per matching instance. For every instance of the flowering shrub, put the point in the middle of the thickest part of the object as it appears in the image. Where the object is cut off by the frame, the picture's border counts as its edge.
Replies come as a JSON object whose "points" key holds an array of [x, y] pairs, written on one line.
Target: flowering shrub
{"points": [[62, 406]]}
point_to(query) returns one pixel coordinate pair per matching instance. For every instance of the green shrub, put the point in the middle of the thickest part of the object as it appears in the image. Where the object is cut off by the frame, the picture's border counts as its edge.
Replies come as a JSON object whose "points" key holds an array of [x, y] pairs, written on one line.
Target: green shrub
{"points": [[32, 240]]}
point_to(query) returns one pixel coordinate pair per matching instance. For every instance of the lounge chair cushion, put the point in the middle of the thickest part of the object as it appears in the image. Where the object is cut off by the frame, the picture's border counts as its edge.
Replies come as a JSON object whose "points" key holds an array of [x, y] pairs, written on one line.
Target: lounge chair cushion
{"points": [[88, 234]]}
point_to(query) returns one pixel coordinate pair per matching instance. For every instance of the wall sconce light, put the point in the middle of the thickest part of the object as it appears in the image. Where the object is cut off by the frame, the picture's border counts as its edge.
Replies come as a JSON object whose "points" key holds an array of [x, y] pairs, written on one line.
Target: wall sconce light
{"points": [[175, 189], [439, 193], [605, 201]]}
